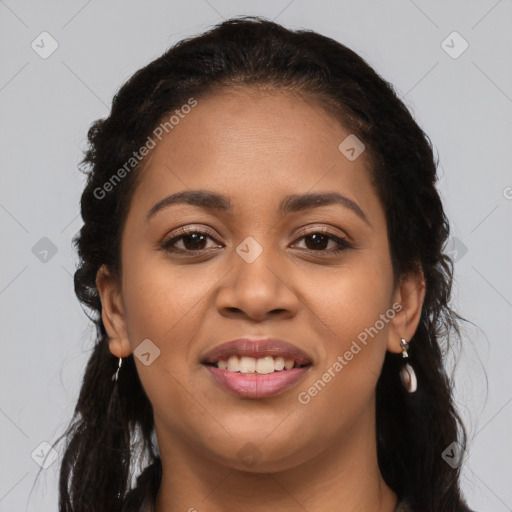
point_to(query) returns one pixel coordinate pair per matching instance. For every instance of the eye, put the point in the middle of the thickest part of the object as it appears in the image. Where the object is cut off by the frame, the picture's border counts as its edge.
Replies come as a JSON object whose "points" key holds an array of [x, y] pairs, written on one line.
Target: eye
{"points": [[192, 240], [318, 240]]}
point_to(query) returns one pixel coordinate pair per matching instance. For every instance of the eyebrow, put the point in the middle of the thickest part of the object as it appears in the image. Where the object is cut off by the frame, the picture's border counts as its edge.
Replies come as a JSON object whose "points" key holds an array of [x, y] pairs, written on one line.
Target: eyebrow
{"points": [[290, 204]]}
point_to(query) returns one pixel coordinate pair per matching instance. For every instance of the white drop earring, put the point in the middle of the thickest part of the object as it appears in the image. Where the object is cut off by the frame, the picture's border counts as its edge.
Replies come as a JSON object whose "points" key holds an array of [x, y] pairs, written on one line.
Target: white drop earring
{"points": [[407, 374], [115, 375]]}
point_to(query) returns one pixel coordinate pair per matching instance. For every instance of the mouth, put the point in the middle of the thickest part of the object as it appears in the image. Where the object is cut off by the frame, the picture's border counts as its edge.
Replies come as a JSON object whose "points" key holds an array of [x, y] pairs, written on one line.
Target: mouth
{"points": [[257, 368], [261, 365]]}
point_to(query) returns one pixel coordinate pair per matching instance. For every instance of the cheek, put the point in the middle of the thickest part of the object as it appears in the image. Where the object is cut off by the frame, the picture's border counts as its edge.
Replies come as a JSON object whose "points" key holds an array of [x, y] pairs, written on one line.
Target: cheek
{"points": [[354, 315], [350, 298], [167, 305], [163, 301]]}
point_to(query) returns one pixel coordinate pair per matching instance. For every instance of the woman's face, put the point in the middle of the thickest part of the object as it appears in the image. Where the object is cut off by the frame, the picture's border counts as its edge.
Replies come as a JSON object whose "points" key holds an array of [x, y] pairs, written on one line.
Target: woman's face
{"points": [[265, 267]]}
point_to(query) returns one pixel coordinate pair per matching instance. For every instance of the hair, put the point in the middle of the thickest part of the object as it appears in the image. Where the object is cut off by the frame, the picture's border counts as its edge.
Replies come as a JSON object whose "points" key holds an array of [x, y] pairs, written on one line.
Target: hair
{"points": [[113, 424]]}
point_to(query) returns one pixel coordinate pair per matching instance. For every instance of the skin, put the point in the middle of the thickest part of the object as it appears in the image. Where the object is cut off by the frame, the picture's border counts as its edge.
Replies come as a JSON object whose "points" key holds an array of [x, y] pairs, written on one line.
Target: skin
{"points": [[257, 147]]}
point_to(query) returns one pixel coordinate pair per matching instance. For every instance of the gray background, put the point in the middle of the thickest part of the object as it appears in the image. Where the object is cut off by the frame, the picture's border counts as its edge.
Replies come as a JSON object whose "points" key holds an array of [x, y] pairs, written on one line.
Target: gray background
{"points": [[464, 104]]}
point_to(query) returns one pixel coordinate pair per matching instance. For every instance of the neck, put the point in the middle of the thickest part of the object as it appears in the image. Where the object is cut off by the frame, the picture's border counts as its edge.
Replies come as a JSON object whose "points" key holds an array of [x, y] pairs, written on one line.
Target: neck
{"points": [[345, 473]]}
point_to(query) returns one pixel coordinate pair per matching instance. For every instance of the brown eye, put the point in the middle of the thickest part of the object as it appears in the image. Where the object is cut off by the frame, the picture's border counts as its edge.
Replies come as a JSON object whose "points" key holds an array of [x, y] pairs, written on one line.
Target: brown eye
{"points": [[318, 241], [191, 240], [194, 241]]}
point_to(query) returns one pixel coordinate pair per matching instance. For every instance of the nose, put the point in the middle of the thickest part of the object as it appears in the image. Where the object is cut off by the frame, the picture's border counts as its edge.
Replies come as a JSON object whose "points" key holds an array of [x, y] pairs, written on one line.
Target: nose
{"points": [[259, 289]]}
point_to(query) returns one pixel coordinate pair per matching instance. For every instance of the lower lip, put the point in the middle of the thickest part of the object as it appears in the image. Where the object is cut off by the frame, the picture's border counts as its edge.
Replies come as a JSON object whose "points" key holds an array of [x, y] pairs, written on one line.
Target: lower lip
{"points": [[254, 385]]}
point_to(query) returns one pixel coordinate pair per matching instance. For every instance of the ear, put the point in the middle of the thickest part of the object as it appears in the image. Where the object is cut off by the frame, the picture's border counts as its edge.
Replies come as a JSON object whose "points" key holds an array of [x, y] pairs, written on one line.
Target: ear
{"points": [[112, 313], [409, 294]]}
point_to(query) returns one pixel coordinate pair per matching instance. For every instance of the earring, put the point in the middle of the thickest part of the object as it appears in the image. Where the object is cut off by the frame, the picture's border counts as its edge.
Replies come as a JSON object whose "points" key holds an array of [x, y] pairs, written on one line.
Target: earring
{"points": [[407, 374], [114, 377]]}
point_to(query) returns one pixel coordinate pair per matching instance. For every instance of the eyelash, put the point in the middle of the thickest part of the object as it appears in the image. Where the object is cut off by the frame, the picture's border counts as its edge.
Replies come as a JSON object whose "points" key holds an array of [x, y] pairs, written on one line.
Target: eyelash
{"points": [[167, 244]]}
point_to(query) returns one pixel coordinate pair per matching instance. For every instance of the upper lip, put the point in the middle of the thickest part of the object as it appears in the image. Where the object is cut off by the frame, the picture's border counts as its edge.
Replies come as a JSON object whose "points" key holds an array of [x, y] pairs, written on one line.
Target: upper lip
{"points": [[257, 348]]}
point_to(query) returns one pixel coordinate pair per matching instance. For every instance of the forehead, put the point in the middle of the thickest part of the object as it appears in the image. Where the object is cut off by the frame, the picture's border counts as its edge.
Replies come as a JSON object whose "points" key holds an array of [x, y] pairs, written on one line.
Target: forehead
{"points": [[253, 145], [244, 124]]}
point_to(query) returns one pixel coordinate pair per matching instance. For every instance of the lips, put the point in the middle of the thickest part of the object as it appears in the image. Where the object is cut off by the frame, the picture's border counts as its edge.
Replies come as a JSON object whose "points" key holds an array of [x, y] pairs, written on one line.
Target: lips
{"points": [[254, 369], [246, 347]]}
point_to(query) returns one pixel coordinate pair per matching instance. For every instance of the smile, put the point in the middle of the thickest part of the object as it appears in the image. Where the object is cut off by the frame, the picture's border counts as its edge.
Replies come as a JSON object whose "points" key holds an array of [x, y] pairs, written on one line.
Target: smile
{"points": [[262, 377], [260, 365], [256, 368]]}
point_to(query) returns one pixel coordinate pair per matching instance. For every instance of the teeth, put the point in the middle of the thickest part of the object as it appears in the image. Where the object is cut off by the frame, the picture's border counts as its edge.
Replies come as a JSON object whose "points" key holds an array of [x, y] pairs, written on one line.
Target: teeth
{"points": [[288, 364], [233, 364], [279, 363], [247, 365], [261, 365], [264, 365]]}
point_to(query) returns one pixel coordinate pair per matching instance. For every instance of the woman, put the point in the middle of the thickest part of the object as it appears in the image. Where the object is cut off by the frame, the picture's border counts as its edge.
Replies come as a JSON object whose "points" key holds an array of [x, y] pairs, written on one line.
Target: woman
{"points": [[262, 251]]}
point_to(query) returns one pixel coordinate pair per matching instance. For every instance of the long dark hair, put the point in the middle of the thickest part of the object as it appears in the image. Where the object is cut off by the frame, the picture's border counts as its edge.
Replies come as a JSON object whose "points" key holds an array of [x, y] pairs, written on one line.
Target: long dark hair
{"points": [[112, 426]]}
